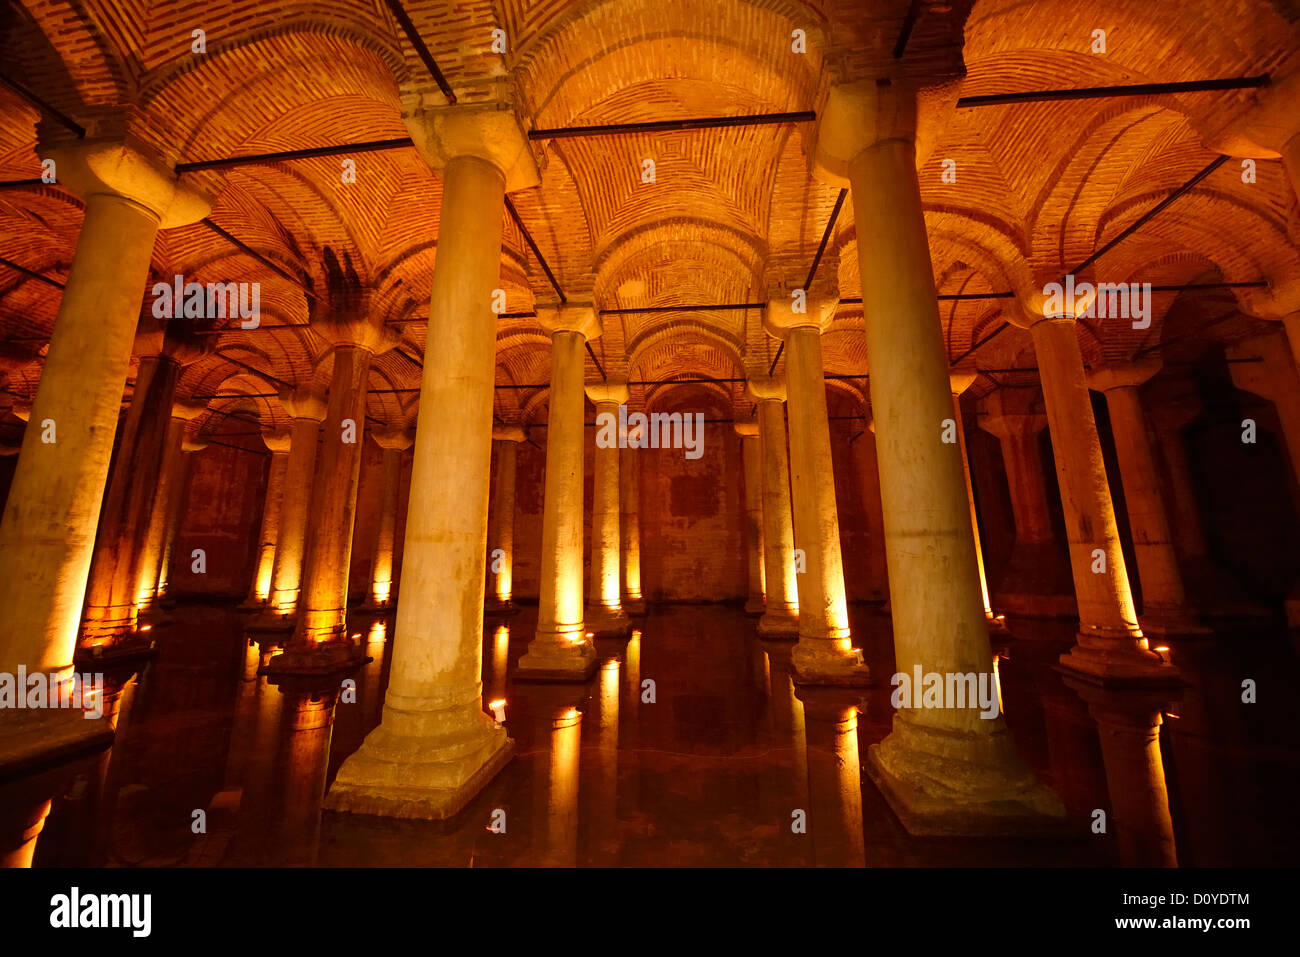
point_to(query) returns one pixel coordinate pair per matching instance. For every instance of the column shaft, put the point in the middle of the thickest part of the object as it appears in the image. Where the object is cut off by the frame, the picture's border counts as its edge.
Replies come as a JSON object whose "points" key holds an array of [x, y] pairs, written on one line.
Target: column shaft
{"points": [[605, 616], [269, 532], [752, 462], [502, 525], [299, 476], [781, 617], [629, 526], [381, 575], [170, 477]]}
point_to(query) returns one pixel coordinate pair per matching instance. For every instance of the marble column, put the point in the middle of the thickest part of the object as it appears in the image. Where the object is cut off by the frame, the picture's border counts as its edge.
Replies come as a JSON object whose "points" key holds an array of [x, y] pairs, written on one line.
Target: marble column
{"points": [[866, 468], [562, 649], [190, 444], [825, 654], [959, 382], [306, 408], [752, 462], [278, 443], [47, 534], [321, 643], [1038, 582], [167, 501], [435, 747], [1165, 609], [945, 770], [604, 614], [1110, 647], [629, 527], [781, 616], [501, 519], [383, 589]]}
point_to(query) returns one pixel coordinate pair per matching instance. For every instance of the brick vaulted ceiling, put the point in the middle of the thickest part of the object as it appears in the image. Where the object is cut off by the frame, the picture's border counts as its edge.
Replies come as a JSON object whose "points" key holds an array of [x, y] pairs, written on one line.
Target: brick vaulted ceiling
{"points": [[1039, 187]]}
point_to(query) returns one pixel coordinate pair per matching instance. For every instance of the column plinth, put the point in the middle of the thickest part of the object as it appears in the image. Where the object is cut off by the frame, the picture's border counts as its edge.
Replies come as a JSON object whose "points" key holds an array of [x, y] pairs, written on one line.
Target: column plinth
{"points": [[943, 770], [562, 648], [824, 654], [780, 620], [501, 522], [752, 462], [435, 747]]}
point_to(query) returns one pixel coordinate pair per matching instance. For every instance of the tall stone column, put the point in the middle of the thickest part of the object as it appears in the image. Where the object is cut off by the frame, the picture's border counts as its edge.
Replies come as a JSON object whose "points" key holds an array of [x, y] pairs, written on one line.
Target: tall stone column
{"points": [[781, 617], [1110, 647], [167, 500], [382, 587], [321, 643], [47, 534], [501, 520], [629, 526], [825, 654], [562, 650], [1038, 582], [435, 747], [278, 444], [752, 461], [1165, 609], [190, 444], [943, 770], [605, 617], [959, 382], [867, 469], [307, 410]]}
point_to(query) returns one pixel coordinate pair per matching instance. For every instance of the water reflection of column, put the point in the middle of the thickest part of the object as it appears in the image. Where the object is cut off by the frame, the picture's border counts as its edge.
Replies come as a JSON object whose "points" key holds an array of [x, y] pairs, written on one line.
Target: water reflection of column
{"points": [[255, 829], [555, 767], [834, 777], [495, 686], [630, 727], [1128, 724], [298, 776], [600, 788], [783, 794]]}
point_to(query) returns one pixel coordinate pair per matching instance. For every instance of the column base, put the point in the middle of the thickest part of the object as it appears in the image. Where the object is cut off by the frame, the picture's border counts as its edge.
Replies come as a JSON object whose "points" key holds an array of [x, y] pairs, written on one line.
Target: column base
{"points": [[1174, 623], [755, 606], [496, 608], [601, 621], [32, 738], [377, 608], [779, 625], [251, 604], [961, 784], [997, 625], [817, 663], [326, 658], [132, 646], [1120, 667], [269, 622], [635, 607], [426, 777], [551, 660]]}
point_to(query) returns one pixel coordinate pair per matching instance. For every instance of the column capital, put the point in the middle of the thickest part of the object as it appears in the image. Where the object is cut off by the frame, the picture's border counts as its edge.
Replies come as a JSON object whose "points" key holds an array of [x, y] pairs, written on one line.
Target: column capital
{"points": [[579, 317], [491, 131], [304, 403], [188, 409], [1264, 130], [192, 443], [1278, 300], [123, 166], [1122, 375], [396, 438], [746, 428], [780, 318], [277, 440], [613, 392], [960, 381], [1009, 412], [764, 388], [508, 433], [863, 113]]}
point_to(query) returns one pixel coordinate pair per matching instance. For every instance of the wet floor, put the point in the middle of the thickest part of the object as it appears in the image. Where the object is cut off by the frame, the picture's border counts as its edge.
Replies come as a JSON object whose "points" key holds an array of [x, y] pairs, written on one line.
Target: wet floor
{"points": [[690, 747]]}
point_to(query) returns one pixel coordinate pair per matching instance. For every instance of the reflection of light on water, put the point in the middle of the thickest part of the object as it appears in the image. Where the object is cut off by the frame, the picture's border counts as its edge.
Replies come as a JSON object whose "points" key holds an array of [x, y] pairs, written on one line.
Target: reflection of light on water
{"points": [[500, 660], [378, 631]]}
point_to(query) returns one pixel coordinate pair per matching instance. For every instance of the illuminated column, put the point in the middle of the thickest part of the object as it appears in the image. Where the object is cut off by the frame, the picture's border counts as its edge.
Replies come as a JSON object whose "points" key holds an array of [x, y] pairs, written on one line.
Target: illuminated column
{"points": [[629, 526], [561, 649], [501, 519], [1164, 602], [435, 747], [394, 442], [108, 628], [959, 382], [781, 617], [1037, 582], [278, 443], [47, 535], [321, 643], [604, 614], [825, 654], [1110, 647], [751, 458], [171, 487], [943, 770], [867, 470], [307, 410], [176, 504]]}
